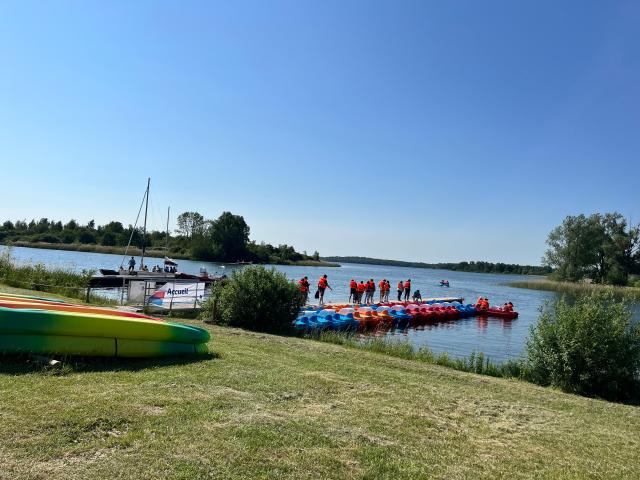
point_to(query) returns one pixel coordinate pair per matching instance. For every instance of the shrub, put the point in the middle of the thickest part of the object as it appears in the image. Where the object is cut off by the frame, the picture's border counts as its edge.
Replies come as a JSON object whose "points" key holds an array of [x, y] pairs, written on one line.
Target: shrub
{"points": [[255, 298], [591, 347]]}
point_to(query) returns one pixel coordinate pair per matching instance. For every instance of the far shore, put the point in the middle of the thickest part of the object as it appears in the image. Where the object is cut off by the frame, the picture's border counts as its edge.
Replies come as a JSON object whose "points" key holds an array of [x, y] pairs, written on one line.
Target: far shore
{"points": [[136, 252]]}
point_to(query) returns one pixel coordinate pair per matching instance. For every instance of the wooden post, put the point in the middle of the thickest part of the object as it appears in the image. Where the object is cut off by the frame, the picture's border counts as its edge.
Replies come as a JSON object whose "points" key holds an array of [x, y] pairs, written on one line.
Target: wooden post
{"points": [[88, 294]]}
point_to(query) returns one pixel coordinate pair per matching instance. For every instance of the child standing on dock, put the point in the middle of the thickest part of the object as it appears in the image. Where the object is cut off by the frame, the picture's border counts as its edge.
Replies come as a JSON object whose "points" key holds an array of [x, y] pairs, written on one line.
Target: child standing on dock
{"points": [[361, 289], [407, 290], [304, 288], [372, 290], [353, 291], [323, 284]]}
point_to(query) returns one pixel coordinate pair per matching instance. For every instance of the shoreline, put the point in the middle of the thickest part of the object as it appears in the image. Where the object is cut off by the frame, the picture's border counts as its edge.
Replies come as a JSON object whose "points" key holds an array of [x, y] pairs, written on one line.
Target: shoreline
{"points": [[575, 288], [136, 252]]}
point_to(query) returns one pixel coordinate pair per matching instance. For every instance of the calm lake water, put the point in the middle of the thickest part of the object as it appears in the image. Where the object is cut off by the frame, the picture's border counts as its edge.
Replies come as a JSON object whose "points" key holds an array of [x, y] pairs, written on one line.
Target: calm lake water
{"points": [[496, 338]]}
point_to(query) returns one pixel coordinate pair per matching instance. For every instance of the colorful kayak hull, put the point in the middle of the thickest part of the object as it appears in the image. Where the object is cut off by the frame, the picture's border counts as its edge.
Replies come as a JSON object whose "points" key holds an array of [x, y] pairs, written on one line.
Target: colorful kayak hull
{"points": [[90, 331]]}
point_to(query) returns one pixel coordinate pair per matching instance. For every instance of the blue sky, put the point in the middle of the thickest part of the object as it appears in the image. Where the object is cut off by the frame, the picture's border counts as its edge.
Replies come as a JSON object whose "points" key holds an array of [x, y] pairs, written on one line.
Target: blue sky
{"points": [[426, 130]]}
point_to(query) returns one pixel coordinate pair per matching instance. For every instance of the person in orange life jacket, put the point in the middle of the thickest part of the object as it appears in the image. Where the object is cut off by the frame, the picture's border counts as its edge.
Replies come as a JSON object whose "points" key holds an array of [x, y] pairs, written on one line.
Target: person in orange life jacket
{"points": [[353, 290], [304, 288], [484, 303], [367, 291], [361, 289], [323, 284], [372, 290], [407, 290], [400, 290], [382, 285], [387, 290]]}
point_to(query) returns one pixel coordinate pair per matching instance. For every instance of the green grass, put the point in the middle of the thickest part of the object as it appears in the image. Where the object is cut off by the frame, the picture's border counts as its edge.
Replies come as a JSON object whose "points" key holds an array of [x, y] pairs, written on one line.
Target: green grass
{"points": [[273, 407], [576, 288], [474, 363]]}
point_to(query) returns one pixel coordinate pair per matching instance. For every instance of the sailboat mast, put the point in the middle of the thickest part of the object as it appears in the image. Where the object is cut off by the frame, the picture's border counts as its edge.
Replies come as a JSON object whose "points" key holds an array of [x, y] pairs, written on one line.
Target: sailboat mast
{"points": [[167, 247], [144, 229]]}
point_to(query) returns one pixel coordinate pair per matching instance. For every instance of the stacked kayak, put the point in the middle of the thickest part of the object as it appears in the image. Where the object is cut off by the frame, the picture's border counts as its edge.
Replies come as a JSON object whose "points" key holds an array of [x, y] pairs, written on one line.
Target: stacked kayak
{"points": [[40, 325]]}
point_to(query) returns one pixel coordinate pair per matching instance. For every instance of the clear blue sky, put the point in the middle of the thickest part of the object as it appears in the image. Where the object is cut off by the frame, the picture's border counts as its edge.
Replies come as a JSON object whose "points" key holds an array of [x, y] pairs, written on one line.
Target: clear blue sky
{"points": [[426, 130]]}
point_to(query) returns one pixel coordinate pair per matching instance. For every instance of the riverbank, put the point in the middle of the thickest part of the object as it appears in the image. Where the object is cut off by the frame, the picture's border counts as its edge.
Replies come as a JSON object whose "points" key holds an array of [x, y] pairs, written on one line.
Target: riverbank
{"points": [[576, 288], [266, 406], [136, 252]]}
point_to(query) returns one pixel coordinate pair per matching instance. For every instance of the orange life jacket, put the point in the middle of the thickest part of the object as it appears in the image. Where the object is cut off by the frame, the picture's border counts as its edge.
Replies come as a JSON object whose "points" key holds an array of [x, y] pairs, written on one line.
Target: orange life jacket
{"points": [[322, 283], [304, 286], [361, 287], [382, 285], [400, 286], [353, 284], [407, 286]]}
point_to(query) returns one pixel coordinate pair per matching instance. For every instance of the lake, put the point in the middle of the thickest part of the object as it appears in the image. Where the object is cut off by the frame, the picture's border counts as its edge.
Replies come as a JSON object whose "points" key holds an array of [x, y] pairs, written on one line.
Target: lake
{"points": [[496, 338]]}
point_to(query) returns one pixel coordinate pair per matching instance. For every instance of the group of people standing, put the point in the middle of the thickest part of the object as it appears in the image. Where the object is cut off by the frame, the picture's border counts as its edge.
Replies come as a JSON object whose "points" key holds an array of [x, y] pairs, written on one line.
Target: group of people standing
{"points": [[368, 290], [363, 292]]}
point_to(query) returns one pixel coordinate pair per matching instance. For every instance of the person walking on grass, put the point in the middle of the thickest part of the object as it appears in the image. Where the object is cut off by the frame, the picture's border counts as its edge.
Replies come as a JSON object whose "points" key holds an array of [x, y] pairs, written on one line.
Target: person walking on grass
{"points": [[323, 284], [407, 290], [400, 290]]}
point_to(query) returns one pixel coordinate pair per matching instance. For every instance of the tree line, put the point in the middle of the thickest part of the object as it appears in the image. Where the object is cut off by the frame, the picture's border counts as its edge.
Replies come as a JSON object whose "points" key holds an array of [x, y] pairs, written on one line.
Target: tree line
{"points": [[601, 248], [225, 239], [478, 267]]}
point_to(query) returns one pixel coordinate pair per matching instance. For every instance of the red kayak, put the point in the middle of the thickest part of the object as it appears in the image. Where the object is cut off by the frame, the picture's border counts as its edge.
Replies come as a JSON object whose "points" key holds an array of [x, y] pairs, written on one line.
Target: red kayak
{"points": [[498, 312]]}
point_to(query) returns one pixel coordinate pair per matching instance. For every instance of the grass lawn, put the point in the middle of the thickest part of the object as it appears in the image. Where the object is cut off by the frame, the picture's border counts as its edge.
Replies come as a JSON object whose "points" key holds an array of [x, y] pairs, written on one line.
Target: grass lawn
{"points": [[271, 407]]}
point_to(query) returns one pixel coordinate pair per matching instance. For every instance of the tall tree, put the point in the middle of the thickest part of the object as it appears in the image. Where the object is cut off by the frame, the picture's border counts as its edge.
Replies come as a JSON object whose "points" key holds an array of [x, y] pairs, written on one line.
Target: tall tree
{"points": [[191, 224], [229, 236], [600, 247]]}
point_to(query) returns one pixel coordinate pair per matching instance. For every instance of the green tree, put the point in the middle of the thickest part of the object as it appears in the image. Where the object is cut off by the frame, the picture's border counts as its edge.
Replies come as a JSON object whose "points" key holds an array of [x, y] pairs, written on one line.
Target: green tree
{"points": [[109, 239], [191, 224], [600, 247], [229, 236]]}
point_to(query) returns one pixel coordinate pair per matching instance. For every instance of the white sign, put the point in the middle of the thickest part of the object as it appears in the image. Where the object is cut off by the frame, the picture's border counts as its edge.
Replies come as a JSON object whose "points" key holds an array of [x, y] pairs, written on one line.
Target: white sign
{"points": [[179, 295]]}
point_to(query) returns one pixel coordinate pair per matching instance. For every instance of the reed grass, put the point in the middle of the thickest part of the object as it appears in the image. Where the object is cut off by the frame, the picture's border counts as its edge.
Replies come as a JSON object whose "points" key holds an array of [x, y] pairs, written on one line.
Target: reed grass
{"points": [[93, 248], [474, 363], [40, 278], [573, 288]]}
